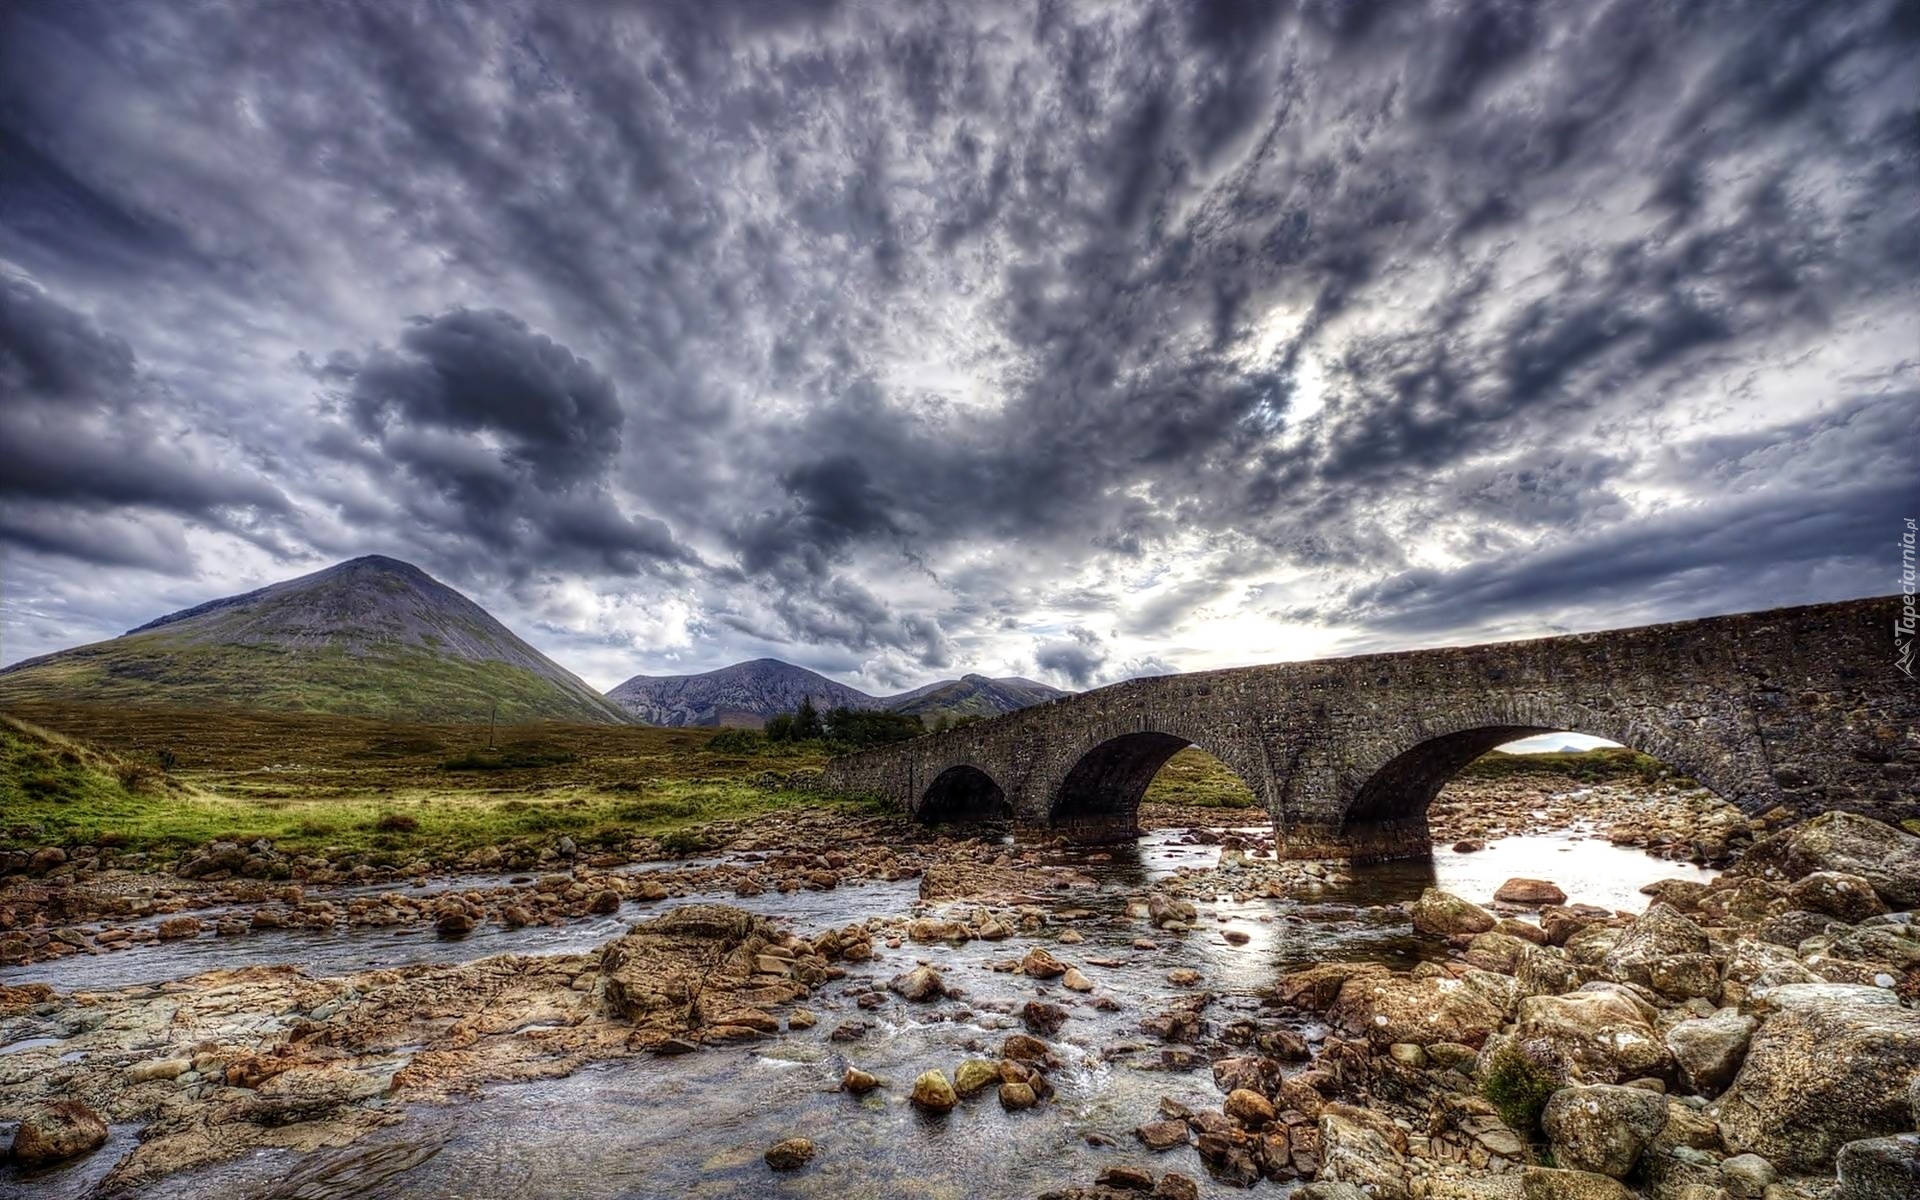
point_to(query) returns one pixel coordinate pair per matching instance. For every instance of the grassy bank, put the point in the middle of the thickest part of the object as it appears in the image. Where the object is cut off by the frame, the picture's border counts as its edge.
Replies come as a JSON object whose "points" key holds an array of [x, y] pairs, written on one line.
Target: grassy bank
{"points": [[165, 780]]}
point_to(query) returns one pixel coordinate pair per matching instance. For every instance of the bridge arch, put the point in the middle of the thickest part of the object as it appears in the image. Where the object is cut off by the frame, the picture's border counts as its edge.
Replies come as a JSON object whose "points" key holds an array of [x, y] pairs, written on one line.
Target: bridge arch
{"points": [[1388, 790], [963, 793], [1094, 792]]}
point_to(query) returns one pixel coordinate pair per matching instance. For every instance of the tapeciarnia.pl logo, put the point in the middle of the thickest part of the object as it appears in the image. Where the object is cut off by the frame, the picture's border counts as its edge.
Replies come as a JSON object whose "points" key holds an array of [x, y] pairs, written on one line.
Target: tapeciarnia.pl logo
{"points": [[1904, 628]]}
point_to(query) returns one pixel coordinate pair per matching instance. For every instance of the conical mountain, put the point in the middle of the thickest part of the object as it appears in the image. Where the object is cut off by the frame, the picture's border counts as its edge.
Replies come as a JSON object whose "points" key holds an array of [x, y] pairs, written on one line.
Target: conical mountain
{"points": [[371, 637]]}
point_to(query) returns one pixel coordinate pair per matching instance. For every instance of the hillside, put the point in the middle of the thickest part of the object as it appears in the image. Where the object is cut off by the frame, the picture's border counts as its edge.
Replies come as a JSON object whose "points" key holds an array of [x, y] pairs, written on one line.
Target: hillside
{"points": [[750, 692], [370, 637], [743, 694]]}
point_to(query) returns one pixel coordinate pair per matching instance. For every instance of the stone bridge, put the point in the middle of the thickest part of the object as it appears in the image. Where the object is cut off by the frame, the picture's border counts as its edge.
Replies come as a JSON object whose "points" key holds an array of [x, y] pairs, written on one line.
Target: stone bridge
{"points": [[1796, 706]]}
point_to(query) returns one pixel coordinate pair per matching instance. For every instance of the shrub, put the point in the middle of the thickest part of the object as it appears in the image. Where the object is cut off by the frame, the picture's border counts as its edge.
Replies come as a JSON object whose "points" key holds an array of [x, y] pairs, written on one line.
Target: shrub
{"points": [[396, 823], [682, 841], [736, 741], [1518, 1081]]}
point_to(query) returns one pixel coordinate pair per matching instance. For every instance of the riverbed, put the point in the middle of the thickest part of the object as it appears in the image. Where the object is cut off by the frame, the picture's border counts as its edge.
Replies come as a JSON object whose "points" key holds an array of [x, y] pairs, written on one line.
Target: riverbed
{"points": [[696, 1125]]}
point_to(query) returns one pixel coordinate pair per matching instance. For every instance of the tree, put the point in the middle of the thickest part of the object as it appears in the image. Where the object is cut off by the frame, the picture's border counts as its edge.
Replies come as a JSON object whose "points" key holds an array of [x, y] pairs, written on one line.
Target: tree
{"points": [[806, 721]]}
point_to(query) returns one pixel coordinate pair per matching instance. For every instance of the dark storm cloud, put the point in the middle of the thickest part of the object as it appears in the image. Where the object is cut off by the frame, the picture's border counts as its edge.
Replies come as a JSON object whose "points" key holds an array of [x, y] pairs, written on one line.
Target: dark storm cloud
{"points": [[88, 443], [901, 332], [504, 434]]}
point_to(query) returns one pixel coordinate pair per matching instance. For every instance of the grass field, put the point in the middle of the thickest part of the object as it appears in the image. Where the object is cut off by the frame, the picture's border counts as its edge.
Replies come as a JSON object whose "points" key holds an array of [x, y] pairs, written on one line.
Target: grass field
{"points": [[168, 779], [164, 779]]}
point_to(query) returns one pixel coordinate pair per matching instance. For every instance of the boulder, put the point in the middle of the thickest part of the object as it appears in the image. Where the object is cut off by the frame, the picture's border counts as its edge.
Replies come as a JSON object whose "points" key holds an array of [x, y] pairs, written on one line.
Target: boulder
{"points": [[1746, 1176], [1365, 1148], [1602, 1128], [1851, 898], [1709, 1050], [932, 1092], [1444, 914], [1016, 1095], [696, 967], [1686, 977], [1041, 965], [1530, 892], [1165, 911], [1162, 1135], [1441, 1008], [1846, 843], [974, 1075], [1818, 1076], [1656, 935], [55, 1131], [1885, 1168], [1603, 1032], [1249, 1107], [921, 984]]}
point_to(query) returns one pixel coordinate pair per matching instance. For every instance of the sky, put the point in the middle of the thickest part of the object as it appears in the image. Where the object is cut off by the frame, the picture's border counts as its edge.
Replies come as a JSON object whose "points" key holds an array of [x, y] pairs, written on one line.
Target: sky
{"points": [[1068, 340]]}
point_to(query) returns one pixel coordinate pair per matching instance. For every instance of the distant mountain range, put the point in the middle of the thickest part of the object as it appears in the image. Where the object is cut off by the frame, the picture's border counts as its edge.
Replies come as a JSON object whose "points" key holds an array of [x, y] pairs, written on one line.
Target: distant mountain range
{"points": [[748, 693], [378, 637], [371, 637]]}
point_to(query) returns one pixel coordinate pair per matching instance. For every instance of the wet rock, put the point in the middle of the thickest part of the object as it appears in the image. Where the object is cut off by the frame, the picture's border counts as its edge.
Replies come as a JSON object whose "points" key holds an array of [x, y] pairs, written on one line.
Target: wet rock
{"points": [[858, 1082], [1249, 1107], [1074, 981], [1184, 977], [1039, 964], [921, 984], [1709, 1050], [1560, 922], [1016, 1095], [1444, 914], [789, 1155], [1019, 1047], [1162, 1135], [694, 968], [1531, 892], [174, 929], [1819, 1076], [1851, 898], [1166, 911], [159, 1068], [1847, 843], [1043, 1018], [454, 923], [1175, 1186], [1885, 1168], [60, 1130], [1603, 1032], [1126, 1178], [1548, 1183], [607, 901], [1249, 1073], [1602, 1128], [933, 1092], [974, 1075]]}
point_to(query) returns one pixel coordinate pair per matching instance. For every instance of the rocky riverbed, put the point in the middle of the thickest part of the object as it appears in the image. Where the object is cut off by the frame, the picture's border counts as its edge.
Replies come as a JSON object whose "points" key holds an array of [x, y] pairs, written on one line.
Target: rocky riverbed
{"points": [[846, 1008]]}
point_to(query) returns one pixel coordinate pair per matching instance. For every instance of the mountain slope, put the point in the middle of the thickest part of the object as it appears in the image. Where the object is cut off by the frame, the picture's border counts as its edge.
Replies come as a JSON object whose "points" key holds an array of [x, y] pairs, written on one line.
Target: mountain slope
{"points": [[373, 637], [743, 694], [972, 696], [750, 692]]}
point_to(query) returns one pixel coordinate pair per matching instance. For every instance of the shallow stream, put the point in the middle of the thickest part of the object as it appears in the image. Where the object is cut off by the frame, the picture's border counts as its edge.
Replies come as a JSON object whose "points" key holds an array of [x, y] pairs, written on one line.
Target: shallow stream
{"points": [[696, 1125]]}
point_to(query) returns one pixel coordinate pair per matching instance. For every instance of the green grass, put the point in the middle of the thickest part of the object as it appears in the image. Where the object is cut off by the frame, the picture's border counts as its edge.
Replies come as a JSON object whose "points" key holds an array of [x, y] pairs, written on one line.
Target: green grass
{"points": [[1599, 765], [1518, 1084], [1194, 777], [315, 783]]}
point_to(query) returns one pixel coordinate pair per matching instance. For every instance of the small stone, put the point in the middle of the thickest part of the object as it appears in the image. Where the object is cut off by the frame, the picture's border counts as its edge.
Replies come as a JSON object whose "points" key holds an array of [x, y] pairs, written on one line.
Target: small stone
{"points": [[1126, 1179], [605, 902], [1075, 981], [858, 1082], [1162, 1135], [1408, 1054], [1175, 1186], [975, 1074], [1183, 977], [1236, 937], [802, 1018], [1015, 1095], [790, 1154], [454, 924], [1249, 1107], [923, 983], [1041, 965], [933, 1092]]}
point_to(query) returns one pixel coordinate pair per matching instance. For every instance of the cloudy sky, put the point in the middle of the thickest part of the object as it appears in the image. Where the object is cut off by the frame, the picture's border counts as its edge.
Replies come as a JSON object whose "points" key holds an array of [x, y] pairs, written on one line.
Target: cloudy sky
{"points": [[1072, 340]]}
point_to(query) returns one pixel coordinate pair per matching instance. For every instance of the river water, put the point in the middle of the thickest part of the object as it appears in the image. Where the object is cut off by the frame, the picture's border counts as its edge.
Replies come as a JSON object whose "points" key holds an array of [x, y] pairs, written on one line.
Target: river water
{"points": [[696, 1125]]}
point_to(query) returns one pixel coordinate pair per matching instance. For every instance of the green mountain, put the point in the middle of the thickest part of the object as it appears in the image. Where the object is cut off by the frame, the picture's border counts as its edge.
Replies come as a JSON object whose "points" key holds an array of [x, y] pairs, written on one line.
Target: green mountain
{"points": [[748, 693], [371, 637]]}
